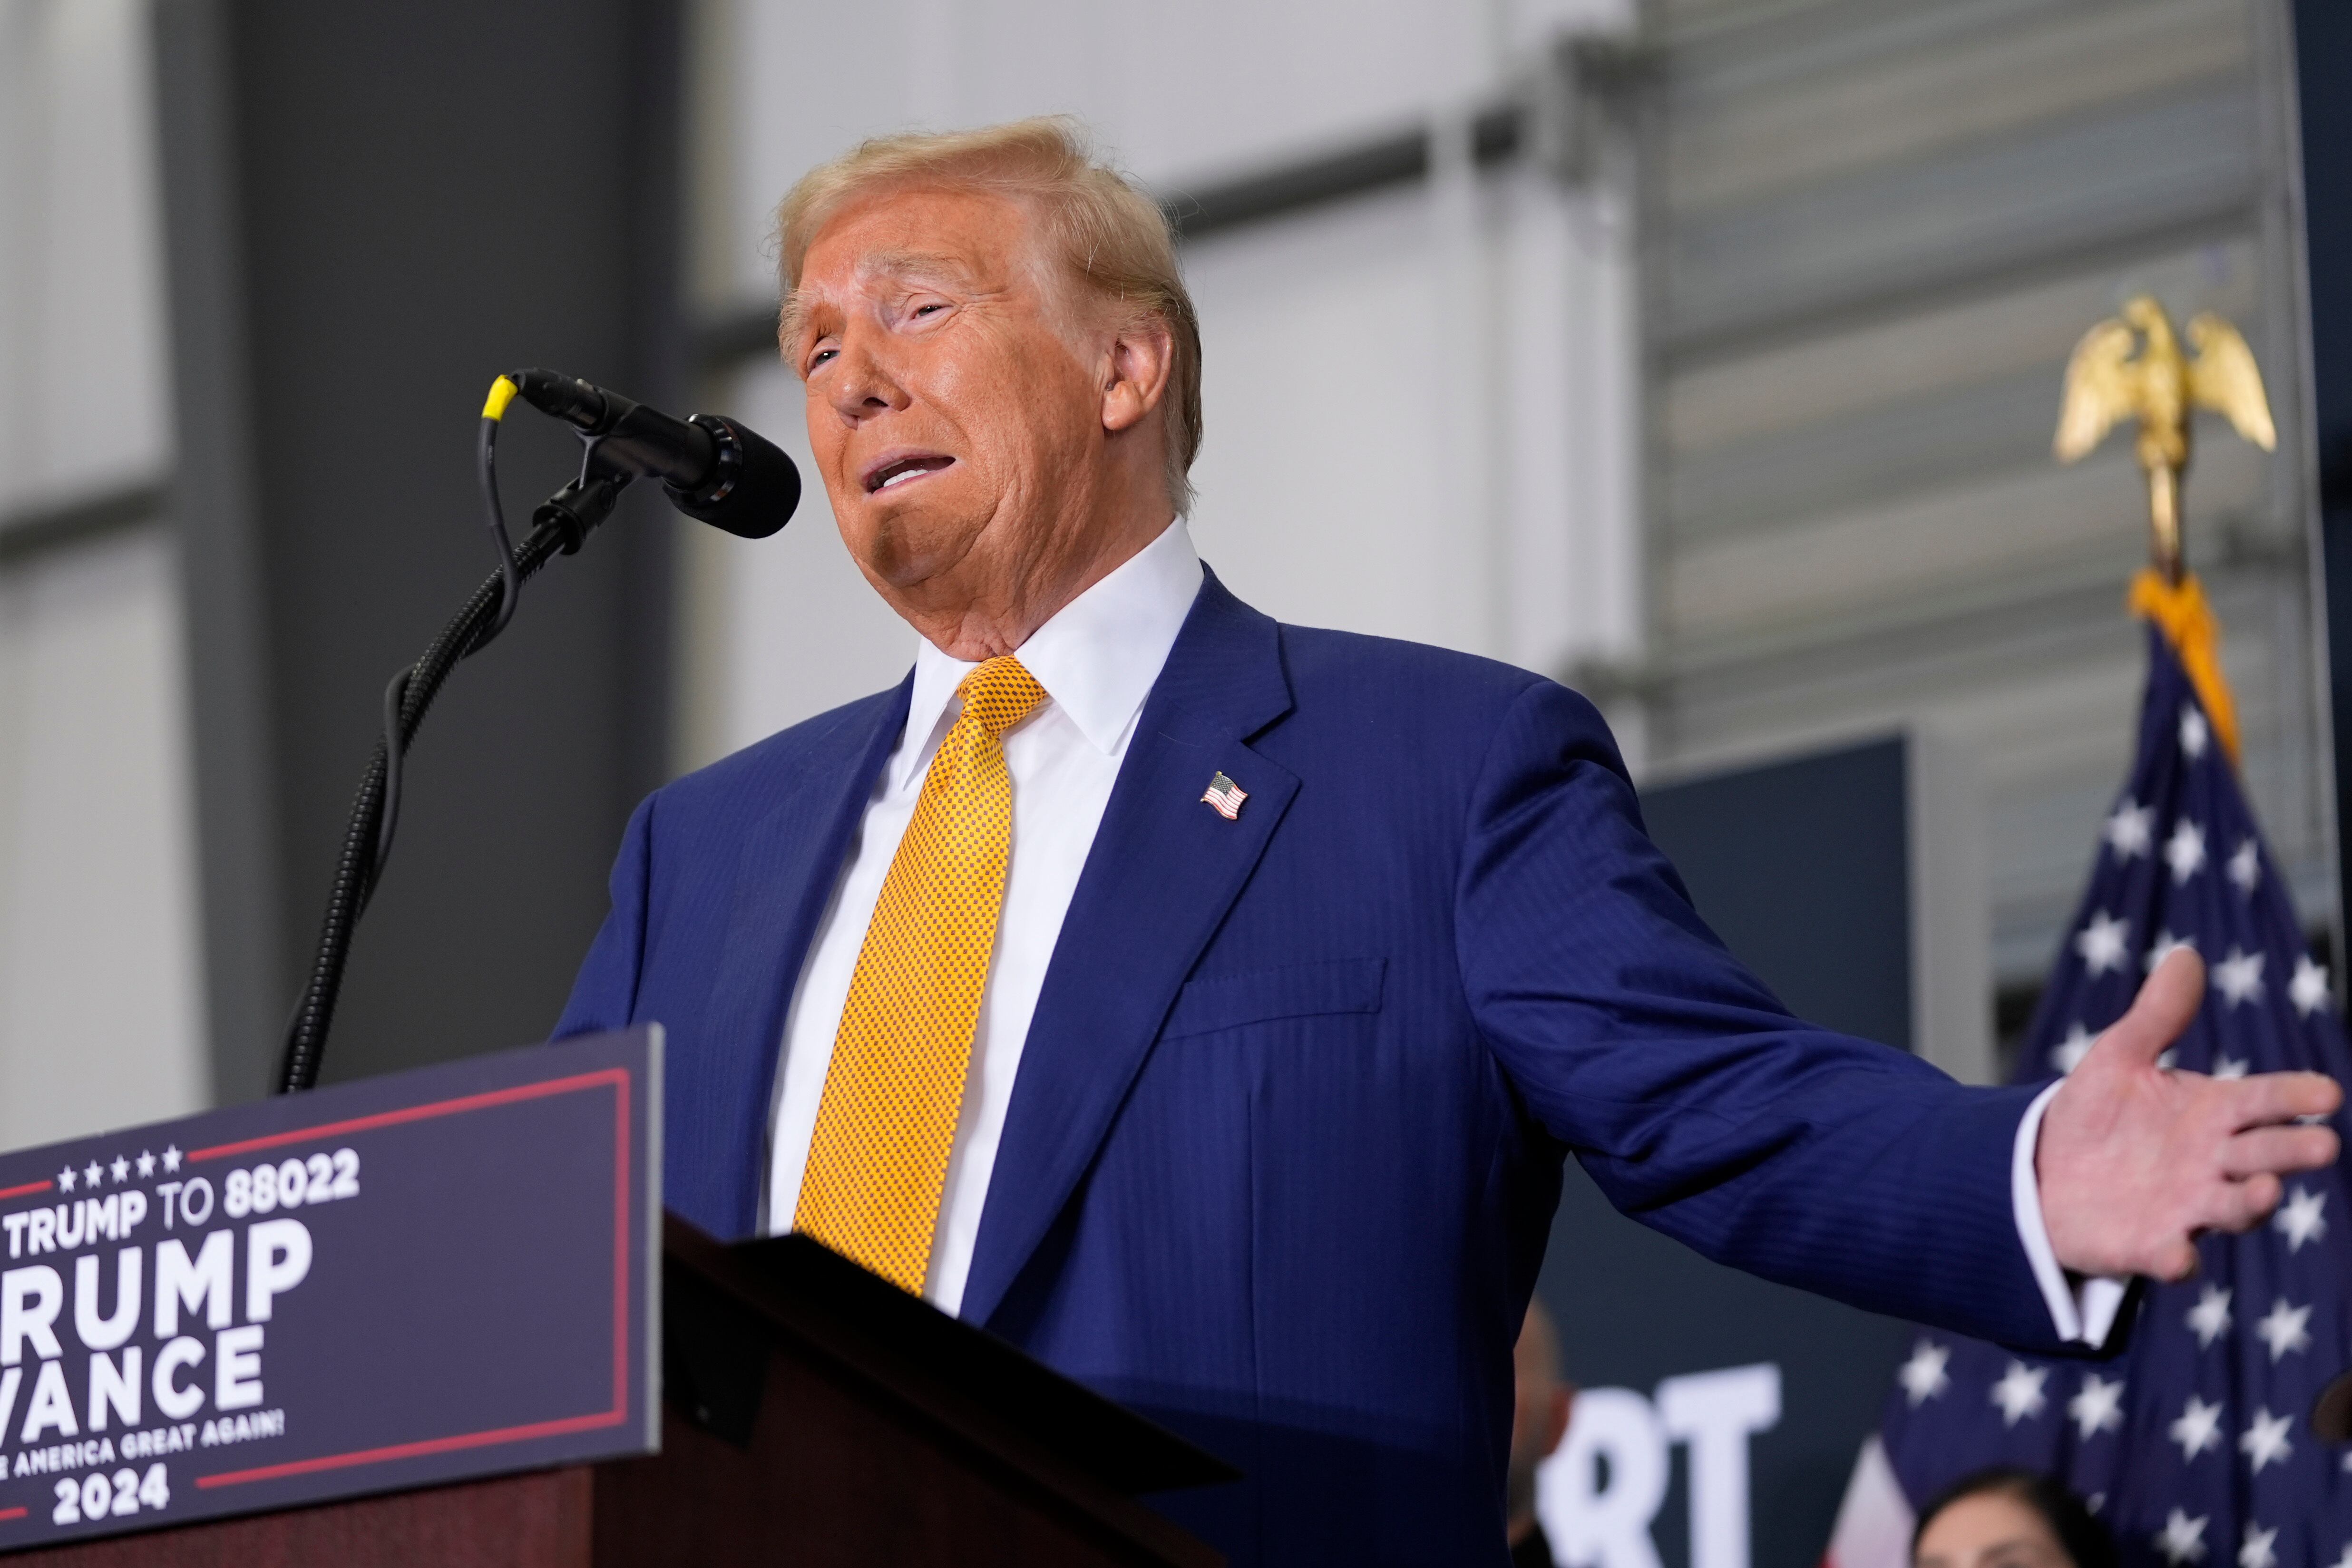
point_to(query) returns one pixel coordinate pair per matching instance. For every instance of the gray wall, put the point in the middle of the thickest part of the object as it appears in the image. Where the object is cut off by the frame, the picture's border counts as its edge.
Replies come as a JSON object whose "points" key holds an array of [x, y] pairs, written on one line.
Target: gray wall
{"points": [[371, 210]]}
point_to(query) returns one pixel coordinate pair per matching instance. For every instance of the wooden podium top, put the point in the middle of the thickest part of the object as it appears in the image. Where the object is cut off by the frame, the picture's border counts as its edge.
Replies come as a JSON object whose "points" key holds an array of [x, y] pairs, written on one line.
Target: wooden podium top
{"points": [[814, 1413], [954, 1373]]}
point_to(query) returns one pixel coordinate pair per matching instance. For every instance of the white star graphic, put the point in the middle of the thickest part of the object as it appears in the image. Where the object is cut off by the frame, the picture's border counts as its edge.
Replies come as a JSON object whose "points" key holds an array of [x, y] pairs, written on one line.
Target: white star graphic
{"points": [[2229, 1067], [119, 1169], [2019, 1391], [171, 1159], [2198, 1428], [91, 1172], [2210, 1318], [2238, 977], [2257, 1551], [1923, 1377], [2068, 1054], [2099, 1407], [2183, 1538], [2246, 866], [146, 1163], [2167, 945], [2308, 990], [2194, 731], [2265, 1442], [2185, 851], [2101, 943], [2345, 1561], [2301, 1218], [2131, 830], [2284, 1329], [66, 1179]]}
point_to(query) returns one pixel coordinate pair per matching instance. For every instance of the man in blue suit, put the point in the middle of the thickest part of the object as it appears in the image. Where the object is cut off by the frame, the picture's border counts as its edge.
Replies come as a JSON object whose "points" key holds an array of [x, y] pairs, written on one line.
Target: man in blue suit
{"points": [[1207, 1004]]}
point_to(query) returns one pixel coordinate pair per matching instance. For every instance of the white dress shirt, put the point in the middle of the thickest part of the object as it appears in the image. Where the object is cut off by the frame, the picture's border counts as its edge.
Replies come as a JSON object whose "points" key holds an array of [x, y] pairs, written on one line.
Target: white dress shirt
{"points": [[1096, 659]]}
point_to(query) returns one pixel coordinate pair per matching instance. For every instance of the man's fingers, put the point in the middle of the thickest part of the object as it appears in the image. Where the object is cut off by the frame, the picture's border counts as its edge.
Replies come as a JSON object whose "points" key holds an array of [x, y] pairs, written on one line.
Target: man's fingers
{"points": [[2167, 1001], [2278, 1149], [2173, 1262], [2281, 1097], [2242, 1205]]}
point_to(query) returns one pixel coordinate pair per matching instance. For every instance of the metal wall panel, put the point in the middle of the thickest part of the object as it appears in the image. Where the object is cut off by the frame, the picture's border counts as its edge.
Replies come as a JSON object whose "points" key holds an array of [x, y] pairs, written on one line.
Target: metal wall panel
{"points": [[1873, 233]]}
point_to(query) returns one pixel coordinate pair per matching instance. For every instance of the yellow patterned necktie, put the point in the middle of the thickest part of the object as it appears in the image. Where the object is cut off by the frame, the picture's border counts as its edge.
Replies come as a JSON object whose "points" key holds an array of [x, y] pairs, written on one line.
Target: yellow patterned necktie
{"points": [[888, 1118]]}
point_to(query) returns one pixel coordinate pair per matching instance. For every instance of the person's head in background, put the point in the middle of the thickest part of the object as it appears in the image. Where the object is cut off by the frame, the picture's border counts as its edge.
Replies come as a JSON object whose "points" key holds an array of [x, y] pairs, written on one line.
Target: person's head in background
{"points": [[2010, 1519], [1541, 1419]]}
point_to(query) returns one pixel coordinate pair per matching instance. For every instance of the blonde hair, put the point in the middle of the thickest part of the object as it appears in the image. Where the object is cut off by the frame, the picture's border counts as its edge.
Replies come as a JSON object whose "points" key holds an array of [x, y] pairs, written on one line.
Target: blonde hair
{"points": [[1108, 234]]}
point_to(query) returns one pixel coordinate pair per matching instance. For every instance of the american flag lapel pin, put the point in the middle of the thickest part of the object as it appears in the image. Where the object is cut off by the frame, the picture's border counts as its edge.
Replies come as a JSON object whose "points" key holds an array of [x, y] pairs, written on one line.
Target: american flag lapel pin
{"points": [[1225, 796]]}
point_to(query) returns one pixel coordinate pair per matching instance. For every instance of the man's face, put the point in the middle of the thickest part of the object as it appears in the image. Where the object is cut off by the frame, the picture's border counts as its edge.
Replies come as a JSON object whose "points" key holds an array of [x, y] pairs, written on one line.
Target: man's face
{"points": [[953, 406]]}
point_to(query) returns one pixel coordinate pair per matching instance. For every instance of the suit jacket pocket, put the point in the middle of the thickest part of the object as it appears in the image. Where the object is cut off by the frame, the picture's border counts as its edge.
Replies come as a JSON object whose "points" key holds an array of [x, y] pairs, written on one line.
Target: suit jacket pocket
{"points": [[1213, 1002]]}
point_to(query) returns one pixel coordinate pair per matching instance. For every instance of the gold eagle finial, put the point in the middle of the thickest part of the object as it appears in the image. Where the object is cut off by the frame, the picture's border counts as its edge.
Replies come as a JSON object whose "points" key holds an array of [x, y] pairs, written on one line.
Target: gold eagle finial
{"points": [[2131, 365]]}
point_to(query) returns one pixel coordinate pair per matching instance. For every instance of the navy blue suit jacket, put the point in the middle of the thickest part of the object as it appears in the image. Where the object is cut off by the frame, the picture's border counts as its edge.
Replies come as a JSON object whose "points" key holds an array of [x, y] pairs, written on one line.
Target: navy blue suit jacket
{"points": [[1288, 1134]]}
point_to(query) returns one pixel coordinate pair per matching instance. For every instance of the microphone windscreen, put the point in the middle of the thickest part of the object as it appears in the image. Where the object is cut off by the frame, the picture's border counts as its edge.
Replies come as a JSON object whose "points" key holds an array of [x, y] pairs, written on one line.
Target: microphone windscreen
{"points": [[762, 494]]}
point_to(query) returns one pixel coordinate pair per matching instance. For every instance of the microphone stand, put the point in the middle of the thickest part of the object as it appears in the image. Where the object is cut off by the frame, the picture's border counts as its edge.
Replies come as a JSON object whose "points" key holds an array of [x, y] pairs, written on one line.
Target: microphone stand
{"points": [[562, 522]]}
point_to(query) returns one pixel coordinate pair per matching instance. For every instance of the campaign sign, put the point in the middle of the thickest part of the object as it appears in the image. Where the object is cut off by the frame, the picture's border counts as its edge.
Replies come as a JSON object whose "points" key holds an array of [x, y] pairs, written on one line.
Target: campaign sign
{"points": [[383, 1284]]}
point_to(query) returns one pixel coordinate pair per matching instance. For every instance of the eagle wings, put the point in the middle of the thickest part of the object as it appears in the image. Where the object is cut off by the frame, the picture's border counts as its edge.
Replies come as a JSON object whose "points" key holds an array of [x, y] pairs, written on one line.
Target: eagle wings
{"points": [[2130, 366]]}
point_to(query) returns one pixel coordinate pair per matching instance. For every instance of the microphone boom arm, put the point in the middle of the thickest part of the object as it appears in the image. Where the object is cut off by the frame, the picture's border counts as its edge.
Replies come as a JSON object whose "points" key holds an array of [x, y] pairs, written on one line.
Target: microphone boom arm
{"points": [[361, 862], [713, 470]]}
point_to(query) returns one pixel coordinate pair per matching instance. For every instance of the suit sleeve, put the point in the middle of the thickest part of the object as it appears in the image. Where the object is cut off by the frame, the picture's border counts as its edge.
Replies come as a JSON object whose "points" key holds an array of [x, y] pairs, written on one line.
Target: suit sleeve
{"points": [[1696, 1100], [605, 995]]}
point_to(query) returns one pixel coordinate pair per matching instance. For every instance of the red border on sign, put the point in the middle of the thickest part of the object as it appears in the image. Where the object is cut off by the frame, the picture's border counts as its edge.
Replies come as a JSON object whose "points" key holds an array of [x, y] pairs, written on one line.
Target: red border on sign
{"points": [[8, 1513], [618, 1077], [9, 1192]]}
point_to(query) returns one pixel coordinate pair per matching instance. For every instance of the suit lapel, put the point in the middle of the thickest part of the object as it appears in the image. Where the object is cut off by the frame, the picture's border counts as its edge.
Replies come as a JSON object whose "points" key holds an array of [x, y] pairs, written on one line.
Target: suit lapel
{"points": [[1164, 870], [790, 860]]}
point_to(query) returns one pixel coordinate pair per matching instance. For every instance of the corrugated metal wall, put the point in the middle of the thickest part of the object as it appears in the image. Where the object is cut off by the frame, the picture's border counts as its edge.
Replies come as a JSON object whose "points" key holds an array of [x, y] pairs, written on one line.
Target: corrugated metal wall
{"points": [[1873, 231]]}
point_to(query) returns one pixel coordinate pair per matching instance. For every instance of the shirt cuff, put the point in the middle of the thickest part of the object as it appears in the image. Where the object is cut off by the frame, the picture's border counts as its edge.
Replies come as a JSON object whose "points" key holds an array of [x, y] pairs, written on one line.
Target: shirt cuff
{"points": [[2084, 1314]]}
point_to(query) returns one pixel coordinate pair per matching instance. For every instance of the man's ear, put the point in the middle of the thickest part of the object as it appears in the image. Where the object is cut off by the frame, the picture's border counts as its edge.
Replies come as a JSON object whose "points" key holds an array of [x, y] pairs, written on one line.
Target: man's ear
{"points": [[1136, 377]]}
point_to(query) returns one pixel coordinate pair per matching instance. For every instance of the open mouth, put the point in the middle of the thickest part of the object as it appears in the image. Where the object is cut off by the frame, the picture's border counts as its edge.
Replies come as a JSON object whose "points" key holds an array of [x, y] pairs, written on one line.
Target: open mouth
{"points": [[902, 471]]}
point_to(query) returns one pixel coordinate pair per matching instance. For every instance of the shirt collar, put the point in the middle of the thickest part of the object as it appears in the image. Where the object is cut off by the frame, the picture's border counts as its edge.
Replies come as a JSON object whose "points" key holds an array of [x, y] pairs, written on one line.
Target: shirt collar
{"points": [[1096, 658]]}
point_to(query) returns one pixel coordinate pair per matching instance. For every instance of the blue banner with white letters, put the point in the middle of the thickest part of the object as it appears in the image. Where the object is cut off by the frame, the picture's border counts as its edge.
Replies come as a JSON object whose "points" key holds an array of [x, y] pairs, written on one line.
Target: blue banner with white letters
{"points": [[405, 1281]]}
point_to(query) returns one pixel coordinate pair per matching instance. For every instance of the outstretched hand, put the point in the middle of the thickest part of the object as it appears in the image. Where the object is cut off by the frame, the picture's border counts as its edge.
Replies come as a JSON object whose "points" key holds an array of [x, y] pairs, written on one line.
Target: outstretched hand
{"points": [[2135, 1162]]}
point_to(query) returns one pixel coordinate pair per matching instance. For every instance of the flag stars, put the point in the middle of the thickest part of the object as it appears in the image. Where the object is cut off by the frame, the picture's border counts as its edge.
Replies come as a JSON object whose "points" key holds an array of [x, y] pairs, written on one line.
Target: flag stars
{"points": [[2259, 1549], [1923, 1377], [2131, 830], [2246, 866], [2068, 1054], [2265, 1442], [2238, 977], [66, 1179], [91, 1173], [118, 1170], [2308, 990], [2208, 1320], [2194, 732], [2103, 943], [2019, 1393], [2182, 1540], [146, 1163], [2286, 1328], [2230, 1067], [2099, 1407], [2300, 1217], [2185, 851], [171, 1159], [2199, 1428], [2166, 945]]}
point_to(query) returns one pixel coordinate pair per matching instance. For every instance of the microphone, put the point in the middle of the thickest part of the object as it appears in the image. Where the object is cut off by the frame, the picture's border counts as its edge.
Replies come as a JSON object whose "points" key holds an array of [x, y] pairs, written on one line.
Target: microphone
{"points": [[712, 469]]}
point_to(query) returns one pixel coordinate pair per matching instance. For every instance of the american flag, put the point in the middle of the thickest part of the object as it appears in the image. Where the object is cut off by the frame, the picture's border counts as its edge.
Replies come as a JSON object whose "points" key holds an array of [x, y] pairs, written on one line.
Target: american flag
{"points": [[1226, 796], [2193, 1445]]}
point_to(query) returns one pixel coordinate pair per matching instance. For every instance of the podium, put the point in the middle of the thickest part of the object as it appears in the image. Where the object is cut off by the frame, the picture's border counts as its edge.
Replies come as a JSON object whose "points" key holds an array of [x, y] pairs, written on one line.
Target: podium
{"points": [[813, 1415]]}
